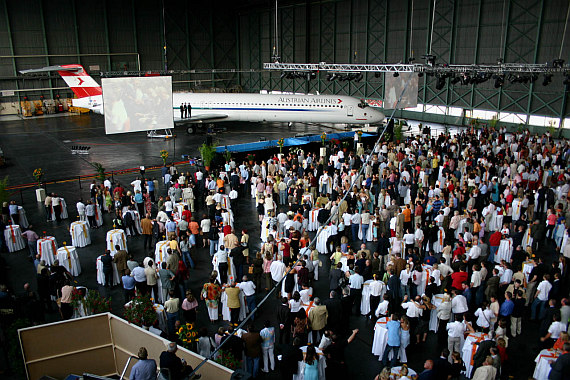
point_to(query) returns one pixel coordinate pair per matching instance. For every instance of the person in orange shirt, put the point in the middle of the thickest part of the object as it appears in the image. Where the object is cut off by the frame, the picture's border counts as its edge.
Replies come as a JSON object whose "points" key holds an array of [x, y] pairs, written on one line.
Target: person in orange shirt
{"points": [[407, 218]]}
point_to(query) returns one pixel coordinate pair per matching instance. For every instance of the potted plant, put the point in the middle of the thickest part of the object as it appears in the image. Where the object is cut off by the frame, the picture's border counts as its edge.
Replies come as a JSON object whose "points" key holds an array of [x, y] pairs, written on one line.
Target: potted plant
{"points": [[323, 150], [164, 156], [280, 144], [140, 311], [398, 132], [188, 335], [227, 155], [250, 158], [227, 359], [95, 304], [208, 152], [100, 171], [40, 192]]}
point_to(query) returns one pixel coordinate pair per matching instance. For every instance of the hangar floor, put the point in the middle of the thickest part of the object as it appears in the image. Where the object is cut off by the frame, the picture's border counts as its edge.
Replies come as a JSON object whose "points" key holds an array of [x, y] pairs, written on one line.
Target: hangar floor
{"points": [[46, 142]]}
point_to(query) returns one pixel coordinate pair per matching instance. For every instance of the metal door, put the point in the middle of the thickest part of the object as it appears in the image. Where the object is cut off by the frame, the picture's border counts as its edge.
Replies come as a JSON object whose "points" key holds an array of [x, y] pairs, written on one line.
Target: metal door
{"points": [[349, 110]]}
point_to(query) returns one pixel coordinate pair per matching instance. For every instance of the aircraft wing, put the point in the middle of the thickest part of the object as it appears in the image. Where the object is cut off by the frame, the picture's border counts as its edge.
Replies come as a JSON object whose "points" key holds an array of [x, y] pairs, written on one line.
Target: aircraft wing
{"points": [[196, 119]]}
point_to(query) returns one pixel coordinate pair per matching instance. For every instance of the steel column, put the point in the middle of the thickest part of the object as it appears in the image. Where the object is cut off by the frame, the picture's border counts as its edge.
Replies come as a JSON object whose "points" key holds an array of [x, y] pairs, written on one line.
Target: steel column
{"points": [[11, 42], [44, 34]]}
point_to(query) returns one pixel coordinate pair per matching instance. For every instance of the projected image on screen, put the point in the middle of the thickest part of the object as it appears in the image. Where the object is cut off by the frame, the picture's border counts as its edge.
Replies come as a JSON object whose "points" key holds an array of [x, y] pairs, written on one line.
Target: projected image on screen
{"points": [[137, 104], [396, 86]]}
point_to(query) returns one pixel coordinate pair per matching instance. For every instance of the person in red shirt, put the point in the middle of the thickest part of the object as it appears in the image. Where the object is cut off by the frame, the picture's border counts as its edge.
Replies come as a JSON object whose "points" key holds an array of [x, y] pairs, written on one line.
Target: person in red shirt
{"points": [[459, 250], [187, 213], [458, 278], [494, 242], [285, 248], [551, 222]]}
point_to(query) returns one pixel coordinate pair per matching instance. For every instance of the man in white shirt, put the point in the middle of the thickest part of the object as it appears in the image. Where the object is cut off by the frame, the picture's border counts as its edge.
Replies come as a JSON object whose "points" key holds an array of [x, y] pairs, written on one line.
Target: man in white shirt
{"points": [[248, 289], [277, 268], [81, 210], [136, 184], [458, 305], [540, 298], [355, 281], [474, 253], [419, 236], [455, 331], [409, 240], [382, 309], [376, 291], [444, 268]]}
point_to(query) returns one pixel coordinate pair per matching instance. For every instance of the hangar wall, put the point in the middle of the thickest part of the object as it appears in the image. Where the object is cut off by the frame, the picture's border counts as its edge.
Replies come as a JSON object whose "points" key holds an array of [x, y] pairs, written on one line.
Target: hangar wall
{"points": [[112, 35], [375, 31]]}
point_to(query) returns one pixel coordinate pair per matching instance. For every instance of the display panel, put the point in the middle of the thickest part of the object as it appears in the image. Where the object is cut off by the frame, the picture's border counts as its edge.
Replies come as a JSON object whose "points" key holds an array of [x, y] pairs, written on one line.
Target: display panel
{"points": [[135, 104]]}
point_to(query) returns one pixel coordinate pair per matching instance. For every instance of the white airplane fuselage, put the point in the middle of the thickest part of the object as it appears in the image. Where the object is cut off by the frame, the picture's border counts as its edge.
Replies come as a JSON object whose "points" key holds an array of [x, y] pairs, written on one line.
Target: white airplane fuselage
{"points": [[335, 109], [278, 108]]}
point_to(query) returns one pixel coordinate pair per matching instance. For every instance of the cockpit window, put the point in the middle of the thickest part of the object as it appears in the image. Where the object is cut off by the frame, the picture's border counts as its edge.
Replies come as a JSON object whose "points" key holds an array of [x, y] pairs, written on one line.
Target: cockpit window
{"points": [[362, 104]]}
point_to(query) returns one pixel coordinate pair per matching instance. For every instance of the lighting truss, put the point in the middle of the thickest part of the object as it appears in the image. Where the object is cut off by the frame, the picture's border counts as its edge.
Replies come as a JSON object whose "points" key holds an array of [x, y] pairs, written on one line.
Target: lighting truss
{"points": [[110, 74], [502, 68]]}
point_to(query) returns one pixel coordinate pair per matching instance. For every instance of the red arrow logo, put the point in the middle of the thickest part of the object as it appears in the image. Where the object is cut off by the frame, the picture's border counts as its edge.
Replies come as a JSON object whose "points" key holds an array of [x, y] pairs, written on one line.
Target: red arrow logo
{"points": [[80, 81], [339, 101]]}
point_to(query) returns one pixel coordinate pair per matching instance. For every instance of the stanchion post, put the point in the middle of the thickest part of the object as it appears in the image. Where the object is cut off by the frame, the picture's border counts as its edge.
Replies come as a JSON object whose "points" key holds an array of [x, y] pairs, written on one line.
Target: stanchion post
{"points": [[79, 180]]}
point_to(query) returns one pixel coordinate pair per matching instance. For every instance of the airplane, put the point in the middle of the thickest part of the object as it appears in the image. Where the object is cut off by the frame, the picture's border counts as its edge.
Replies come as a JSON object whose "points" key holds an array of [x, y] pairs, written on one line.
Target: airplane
{"points": [[218, 107]]}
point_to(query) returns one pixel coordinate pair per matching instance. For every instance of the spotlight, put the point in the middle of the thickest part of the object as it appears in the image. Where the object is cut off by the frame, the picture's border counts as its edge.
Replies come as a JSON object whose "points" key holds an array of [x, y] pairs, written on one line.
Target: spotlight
{"points": [[396, 74], [331, 77], [283, 74], [420, 75], [558, 63], [499, 81], [455, 80], [547, 79], [430, 59], [440, 82], [411, 60], [358, 77], [377, 75]]}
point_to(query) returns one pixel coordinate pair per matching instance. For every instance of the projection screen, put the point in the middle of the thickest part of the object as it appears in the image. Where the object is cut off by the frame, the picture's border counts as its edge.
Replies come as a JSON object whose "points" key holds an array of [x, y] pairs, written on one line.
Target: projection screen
{"points": [[393, 88], [136, 104]]}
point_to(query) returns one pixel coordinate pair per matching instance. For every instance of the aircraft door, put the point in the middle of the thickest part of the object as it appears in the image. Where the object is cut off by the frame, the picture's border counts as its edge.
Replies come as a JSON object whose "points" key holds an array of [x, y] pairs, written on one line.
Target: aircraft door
{"points": [[349, 110]]}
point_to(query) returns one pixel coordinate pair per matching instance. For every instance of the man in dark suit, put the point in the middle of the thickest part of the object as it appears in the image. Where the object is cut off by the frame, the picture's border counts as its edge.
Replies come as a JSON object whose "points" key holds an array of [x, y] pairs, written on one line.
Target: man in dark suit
{"points": [[441, 366], [492, 288], [427, 373], [334, 308], [394, 291], [483, 351], [561, 367], [172, 367], [284, 321]]}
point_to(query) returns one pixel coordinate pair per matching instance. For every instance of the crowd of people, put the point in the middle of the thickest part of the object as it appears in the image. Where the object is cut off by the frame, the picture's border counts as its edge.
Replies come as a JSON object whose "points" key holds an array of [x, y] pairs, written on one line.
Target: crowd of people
{"points": [[469, 230]]}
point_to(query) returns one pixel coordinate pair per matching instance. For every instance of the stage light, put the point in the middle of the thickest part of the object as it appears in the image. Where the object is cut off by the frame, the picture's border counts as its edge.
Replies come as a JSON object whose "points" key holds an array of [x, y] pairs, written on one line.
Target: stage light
{"points": [[440, 83], [377, 75], [420, 74], [358, 77], [558, 63], [547, 79], [455, 80], [331, 77], [283, 74], [396, 74], [499, 80]]}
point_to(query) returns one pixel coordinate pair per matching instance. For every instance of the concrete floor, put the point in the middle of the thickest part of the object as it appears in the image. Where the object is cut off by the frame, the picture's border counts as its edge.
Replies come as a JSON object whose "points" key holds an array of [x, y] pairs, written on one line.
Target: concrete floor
{"points": [[45, 143]]}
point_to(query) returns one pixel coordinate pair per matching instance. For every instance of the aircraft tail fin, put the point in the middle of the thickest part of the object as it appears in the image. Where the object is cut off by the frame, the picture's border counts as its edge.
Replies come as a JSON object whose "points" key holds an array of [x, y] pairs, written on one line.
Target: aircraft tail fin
{"points": [[81, 83]]}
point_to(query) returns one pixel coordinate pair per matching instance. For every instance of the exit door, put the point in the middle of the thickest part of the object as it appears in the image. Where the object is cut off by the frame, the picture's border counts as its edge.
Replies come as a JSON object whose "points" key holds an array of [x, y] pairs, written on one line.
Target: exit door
{"points": [[349, 110]]}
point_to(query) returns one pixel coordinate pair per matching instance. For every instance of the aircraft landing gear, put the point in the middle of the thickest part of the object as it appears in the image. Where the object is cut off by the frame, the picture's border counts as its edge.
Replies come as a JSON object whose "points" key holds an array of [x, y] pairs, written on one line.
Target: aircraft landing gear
{"points": [[191, 130], [289, 124]]}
